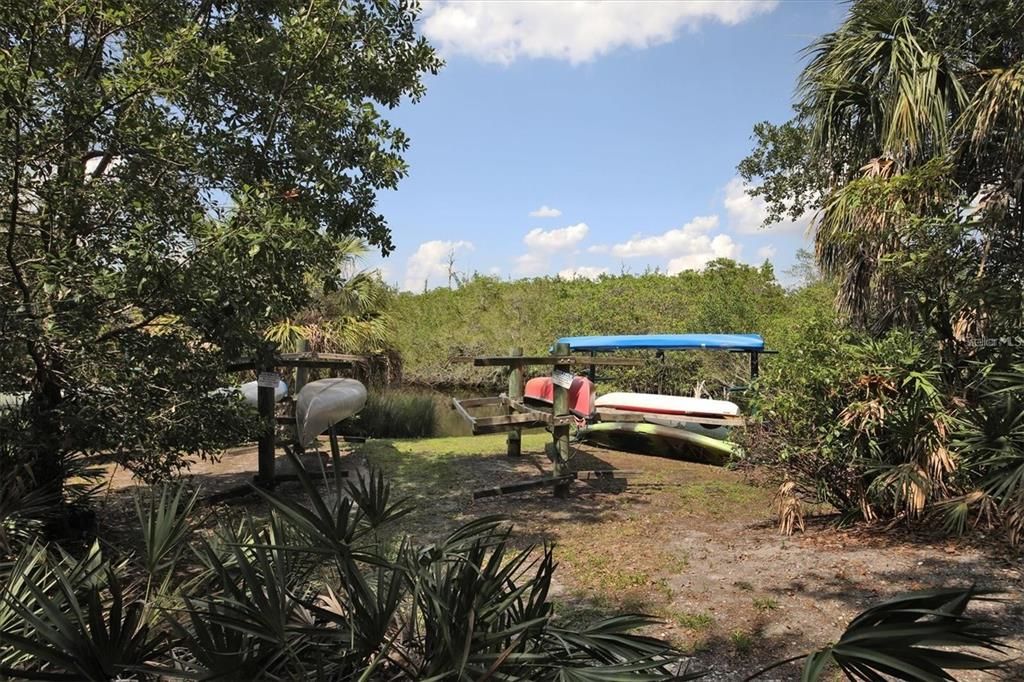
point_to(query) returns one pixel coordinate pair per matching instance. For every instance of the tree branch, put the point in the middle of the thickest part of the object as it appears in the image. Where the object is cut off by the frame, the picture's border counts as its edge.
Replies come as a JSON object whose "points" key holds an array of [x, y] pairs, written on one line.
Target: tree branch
{"points": [[14, 121]]}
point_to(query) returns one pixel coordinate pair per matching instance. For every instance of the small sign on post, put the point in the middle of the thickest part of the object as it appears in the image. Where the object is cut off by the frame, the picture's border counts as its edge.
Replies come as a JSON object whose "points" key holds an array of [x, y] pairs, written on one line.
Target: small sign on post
{"points": [[562, 378], [268, 380]]}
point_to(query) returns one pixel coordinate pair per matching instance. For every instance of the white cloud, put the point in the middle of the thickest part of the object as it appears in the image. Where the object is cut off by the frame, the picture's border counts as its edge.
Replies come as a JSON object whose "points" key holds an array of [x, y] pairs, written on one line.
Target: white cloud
{"points": [[561, 238], [531, 263], [542, 245], [598, 248], [429, 265], [583, 271], [703, 251], [746, 213], [505, 30], [545, 211], [766, 253], [671, 243], [689, 247]]}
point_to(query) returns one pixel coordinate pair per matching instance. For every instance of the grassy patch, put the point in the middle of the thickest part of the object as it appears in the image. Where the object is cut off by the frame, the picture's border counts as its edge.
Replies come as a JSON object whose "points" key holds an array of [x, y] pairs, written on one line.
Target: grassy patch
{"points": [[439, 474], [698, 622], [596, 570], [722, 499], [741, 641], [765, 604]]}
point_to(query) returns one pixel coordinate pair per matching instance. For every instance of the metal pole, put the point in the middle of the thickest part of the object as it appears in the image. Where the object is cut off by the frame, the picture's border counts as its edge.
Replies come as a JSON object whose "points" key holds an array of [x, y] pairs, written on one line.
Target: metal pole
{"points": [[754, 369]]}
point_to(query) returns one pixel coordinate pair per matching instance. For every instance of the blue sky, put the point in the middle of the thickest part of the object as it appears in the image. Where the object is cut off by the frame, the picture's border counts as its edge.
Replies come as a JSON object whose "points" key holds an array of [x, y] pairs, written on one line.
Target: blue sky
{"points": [[578, 138]]}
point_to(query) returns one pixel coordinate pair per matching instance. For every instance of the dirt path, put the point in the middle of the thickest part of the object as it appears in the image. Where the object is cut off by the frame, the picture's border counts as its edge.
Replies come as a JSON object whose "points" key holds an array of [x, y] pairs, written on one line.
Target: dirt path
{"points": [[691, 544]]}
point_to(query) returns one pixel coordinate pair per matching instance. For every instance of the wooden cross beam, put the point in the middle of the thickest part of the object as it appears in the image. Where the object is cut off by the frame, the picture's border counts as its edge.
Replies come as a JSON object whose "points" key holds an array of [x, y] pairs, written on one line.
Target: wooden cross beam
{"points": [[306, 359]]}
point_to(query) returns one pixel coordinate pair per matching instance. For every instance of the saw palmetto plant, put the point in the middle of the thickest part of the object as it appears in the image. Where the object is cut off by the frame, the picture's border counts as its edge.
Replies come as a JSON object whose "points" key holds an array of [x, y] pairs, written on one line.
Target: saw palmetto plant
{"points": [[322, 590], [326, 590], [923, 637]]}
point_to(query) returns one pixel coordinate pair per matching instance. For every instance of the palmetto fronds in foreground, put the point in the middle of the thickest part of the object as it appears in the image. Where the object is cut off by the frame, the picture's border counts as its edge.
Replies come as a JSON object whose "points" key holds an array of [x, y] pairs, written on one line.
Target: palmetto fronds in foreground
{"points": [[991, 443], [323, 590]]}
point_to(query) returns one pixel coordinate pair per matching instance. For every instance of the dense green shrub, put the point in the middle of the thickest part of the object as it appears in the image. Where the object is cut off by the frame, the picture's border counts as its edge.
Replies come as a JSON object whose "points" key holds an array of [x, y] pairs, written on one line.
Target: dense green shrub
{"points": [[882, 428], [858, 423], [487, 316]]}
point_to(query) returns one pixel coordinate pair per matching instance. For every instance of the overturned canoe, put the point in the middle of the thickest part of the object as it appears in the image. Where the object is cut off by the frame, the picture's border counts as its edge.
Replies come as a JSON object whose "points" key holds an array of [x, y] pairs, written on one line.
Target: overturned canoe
{"points": [[325, 402], [250, 392], [541, 390], [662, 441], [668, 404]]}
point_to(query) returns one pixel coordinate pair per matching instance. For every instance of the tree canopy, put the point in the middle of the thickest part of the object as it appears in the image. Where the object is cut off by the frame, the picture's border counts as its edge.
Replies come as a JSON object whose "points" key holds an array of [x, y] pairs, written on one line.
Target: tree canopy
{"points": [[175, 174], [907, 142]]}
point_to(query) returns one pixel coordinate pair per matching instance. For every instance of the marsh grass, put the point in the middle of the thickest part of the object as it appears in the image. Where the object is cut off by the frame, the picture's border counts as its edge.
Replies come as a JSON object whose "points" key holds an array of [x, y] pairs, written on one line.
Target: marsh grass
{"points": [[394, 414]]}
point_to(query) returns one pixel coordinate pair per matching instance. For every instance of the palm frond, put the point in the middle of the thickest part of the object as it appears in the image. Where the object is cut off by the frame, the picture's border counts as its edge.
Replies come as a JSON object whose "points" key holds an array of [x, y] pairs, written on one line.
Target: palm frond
{"points": [[995, 117], [69, 636], [166, 525]]}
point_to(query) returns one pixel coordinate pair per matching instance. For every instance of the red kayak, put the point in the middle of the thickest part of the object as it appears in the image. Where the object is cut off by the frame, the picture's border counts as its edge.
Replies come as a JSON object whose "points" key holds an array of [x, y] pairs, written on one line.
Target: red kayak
{"points": [[581, 394]]}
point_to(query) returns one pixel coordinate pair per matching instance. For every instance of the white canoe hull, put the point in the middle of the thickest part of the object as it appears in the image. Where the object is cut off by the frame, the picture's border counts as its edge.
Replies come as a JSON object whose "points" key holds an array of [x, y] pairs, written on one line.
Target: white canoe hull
{"points": [[325, 402], [667, 404], [250, 392]]}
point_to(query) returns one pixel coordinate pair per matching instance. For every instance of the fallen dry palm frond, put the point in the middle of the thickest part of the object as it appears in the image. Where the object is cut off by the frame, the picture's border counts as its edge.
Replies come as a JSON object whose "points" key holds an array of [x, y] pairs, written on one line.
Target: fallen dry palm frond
{"points": [[789, 509], [1015, 519]]}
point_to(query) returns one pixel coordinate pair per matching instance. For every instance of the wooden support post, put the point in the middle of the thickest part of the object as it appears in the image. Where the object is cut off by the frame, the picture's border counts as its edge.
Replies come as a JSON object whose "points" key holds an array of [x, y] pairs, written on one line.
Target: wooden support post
{"points": [[265, 403], [520, 487], [301, 378], [301, 373], [335, 451], [515, 394], [560, 432]]}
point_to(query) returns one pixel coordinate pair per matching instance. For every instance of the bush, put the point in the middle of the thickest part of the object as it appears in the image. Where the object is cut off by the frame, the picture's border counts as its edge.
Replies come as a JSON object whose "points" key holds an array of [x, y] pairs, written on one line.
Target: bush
{"points": [[883, 428], [861, 424], [488, 316]]}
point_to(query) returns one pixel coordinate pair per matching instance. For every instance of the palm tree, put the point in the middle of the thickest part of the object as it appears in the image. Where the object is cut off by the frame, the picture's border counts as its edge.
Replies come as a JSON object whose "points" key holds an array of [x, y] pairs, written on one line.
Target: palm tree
{"points": [[353, 318], [916, 113]]}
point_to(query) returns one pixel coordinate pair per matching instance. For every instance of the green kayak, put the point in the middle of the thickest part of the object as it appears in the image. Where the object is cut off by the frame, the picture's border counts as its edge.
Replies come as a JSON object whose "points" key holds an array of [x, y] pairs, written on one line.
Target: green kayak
{"points": [[654, 439]]}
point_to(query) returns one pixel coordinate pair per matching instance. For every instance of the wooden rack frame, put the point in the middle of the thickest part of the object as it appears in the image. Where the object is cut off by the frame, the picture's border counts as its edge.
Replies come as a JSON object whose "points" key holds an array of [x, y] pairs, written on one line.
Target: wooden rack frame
{"points": [[518, 415], [267, 359]]}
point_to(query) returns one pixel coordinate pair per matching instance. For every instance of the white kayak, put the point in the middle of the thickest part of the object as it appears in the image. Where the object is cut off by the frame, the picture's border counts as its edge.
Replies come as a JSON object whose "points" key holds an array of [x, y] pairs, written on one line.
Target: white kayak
{"points": [[667, 404], [250, 392], [325, 402]]}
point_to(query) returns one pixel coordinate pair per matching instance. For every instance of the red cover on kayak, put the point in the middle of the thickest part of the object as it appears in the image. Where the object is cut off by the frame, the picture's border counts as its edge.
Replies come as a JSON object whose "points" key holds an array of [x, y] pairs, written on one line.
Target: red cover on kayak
{"points": [[581, 394]]}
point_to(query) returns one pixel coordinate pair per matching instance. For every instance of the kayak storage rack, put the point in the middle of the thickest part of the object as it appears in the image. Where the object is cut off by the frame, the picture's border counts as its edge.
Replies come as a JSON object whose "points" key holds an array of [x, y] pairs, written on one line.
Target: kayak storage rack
{"points": [[516, 415]]}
